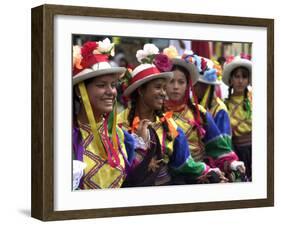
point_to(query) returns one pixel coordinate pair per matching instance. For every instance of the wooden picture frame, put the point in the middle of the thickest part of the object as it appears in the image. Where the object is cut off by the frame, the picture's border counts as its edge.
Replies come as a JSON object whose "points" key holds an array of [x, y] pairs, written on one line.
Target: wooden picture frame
{"points": [[43, 111]]}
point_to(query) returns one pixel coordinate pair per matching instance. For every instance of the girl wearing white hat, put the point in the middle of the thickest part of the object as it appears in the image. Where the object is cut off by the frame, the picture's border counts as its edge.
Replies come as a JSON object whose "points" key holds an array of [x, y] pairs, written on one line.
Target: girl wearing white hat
{"points": [[237, 74], [206, 141], [101, 151], [168, 159]]}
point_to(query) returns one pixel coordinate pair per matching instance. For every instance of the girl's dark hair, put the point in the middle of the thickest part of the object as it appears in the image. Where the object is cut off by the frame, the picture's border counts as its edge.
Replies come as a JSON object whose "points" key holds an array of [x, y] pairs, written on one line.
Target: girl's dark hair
{"points": [[211, 96], [165, 126], [245, 72], [132, 111], [245, 99], [189, 102], [158, 113], [76, 104], [228, 97]]}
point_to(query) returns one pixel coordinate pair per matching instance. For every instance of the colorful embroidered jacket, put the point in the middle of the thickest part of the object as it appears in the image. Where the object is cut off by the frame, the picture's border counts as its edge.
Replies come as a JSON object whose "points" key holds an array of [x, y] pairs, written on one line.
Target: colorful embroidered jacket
{"points": [[220, 115], [175, 153], [98, 173], [241, 121], [213, 145]]}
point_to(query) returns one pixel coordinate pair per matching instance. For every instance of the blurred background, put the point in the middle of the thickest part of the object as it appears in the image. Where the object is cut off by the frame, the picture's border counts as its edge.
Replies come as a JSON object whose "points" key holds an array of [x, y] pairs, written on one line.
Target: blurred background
{"points": [[126, 48]]}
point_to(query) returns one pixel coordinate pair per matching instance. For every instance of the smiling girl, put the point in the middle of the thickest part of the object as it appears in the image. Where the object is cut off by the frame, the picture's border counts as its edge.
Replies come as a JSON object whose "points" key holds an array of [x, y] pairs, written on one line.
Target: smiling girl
{"points": [[102, 152]]}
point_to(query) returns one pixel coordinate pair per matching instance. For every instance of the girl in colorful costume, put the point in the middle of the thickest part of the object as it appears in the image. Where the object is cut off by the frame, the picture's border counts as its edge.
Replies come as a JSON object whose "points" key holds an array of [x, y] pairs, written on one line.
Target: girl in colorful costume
{"points": [[237, 75], [206, 141], [205, 88], [168, 156], [102, 152]]}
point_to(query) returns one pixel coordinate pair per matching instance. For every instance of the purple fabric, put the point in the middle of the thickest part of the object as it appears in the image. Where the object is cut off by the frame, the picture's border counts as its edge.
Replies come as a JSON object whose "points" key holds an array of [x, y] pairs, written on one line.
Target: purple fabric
{"points": [[78, 148]]}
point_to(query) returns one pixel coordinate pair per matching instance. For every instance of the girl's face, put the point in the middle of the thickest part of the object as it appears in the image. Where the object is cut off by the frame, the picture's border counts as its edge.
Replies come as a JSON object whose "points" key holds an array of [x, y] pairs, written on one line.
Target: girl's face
{"points": [[239, 81], [102, 93], [177, 86], [153, 94]]}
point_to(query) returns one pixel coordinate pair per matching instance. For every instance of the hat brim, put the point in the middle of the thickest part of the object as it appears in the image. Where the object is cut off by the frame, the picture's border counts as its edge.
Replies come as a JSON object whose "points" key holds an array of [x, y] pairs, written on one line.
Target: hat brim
{"points": [[207, 82], [191, 68], [235, 64], [139, 83], [89, 73]]}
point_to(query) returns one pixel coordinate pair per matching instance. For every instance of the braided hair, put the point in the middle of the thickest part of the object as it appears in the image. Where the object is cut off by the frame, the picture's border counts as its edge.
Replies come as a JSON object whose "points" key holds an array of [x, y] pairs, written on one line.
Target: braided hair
{"points": [[132, 111], [210, 97], [76, 105], [158, 113], [230, 88], [246, 91], [165, 127]]}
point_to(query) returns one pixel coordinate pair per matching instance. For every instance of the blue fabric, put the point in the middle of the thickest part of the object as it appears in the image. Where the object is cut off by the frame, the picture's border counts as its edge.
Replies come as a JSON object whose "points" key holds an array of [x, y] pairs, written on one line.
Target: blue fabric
{"points": [[129, 142], [212, 131], [181, 150], [223, 122]]}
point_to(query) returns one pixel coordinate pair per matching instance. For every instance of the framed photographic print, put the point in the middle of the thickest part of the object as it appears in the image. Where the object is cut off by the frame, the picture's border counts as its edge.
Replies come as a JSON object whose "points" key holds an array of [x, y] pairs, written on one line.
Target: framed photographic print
{"points": [[58, 32]]}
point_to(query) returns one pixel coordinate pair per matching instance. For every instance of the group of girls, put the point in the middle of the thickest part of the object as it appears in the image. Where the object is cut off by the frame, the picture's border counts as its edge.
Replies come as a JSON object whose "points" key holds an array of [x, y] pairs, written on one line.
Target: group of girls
{"points": [[176, 129]]}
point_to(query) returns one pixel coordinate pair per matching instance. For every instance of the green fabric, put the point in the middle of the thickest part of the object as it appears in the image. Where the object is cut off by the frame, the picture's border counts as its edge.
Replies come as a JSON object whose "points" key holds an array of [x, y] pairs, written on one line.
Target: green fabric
{"points": [[191, 167], [248, 109], [219, 146]]}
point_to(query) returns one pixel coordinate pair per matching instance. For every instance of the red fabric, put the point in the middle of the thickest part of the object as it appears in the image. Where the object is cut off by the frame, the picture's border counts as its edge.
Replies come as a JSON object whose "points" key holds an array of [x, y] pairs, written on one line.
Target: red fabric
{"points": [[144, 73], [201, 48], [89, 61]]}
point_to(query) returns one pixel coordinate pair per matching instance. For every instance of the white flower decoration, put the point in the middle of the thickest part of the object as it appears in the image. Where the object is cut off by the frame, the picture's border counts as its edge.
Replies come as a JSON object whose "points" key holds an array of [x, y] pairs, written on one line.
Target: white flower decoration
{"points": [[147, 51], [106, 47], [150, 49], [140, 55]]}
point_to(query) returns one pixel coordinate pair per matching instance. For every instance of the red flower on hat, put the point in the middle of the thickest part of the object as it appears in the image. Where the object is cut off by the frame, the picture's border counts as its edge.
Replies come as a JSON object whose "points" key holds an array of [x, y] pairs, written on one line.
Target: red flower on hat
{"points": [[87, 52], [88, 48], [203, 64]]}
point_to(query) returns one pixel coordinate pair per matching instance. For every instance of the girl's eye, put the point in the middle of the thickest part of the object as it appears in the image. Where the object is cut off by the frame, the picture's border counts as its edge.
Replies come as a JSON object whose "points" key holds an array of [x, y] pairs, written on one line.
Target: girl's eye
{"points": [[100, 85], [113, 85]]}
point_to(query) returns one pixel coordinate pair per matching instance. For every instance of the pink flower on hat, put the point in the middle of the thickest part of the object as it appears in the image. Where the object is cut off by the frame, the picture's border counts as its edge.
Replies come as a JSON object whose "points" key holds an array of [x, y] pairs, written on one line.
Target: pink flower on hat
{"points": [[162, 62]]}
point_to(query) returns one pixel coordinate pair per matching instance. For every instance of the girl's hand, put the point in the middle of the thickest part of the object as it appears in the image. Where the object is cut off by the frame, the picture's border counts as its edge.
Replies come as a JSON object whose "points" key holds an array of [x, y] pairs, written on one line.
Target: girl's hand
{"points": [[142, 130]]}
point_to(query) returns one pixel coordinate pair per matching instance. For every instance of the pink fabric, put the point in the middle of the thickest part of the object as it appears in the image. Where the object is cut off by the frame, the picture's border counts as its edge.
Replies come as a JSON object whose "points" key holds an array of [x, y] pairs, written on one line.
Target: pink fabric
{"points": [[224, 162]]}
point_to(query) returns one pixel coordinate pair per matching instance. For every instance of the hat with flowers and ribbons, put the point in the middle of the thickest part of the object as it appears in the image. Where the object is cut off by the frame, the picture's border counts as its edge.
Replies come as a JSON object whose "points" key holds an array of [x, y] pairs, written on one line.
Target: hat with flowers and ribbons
{"points": [[234, 62], [91, 60], [209, 71], [153, 65], [182, 61]]}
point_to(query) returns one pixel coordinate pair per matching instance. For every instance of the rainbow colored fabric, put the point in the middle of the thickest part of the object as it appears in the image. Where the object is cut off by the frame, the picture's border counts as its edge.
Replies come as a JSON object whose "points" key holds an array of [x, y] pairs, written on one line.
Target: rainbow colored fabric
{"points": [[215, 144], [176, 152], [98, 173]]}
